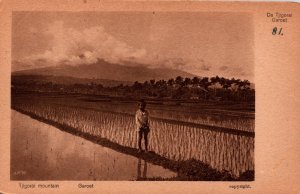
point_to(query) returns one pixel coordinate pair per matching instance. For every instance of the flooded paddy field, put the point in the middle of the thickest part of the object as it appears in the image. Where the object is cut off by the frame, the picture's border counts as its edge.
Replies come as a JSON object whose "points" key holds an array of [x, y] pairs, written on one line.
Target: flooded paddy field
{"points": [[42, 152], [176, 135]]}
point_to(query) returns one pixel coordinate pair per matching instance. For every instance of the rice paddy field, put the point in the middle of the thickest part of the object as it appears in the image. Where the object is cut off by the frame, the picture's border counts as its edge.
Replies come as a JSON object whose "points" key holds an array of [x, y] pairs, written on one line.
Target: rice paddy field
{"points": [[43, 152], [222, 139]]}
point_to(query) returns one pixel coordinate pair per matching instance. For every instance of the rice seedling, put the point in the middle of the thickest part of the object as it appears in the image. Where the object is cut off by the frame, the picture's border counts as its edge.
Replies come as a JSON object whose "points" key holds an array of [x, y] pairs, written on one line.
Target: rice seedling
{"points": [[174, 140], [195, 115]]}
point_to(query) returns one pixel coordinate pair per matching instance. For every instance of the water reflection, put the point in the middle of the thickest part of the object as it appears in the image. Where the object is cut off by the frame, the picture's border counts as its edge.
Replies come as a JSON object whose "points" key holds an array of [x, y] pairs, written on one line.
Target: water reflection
{"points": [[42, 152], [139, 169]]}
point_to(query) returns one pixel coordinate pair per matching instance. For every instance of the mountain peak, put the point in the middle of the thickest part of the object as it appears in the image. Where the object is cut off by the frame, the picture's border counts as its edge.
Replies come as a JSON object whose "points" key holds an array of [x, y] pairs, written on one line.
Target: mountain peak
{"points": [[105, 70]]}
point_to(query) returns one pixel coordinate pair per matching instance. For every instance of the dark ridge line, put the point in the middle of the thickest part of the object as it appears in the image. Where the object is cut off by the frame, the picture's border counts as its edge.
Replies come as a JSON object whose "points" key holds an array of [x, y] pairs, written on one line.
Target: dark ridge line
{"points": [[170, 121], [189, 170]]}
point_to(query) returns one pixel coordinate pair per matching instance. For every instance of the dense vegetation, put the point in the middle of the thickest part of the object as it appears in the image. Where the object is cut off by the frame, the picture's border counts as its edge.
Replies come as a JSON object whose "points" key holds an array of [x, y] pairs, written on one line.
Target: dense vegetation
{"points": [[214, 88]]}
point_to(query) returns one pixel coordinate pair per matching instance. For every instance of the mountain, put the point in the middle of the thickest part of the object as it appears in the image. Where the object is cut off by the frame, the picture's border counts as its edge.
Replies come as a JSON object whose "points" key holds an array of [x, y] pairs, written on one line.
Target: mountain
{"points": [[107, 71], [20, 79]]}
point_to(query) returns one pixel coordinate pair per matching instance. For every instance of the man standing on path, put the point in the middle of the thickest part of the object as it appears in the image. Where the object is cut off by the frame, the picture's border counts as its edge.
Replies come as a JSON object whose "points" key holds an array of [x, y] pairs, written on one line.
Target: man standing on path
{"points": [[142, 122]]}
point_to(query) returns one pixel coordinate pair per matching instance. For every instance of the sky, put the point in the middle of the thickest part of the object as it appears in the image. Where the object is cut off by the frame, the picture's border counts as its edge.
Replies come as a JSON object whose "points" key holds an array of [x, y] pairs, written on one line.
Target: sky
{"points": [[201, 43]]}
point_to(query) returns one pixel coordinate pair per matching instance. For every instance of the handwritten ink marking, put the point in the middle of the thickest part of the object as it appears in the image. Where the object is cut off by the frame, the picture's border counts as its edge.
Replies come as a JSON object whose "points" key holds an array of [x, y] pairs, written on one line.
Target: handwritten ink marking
{"points": [[275, 31]]}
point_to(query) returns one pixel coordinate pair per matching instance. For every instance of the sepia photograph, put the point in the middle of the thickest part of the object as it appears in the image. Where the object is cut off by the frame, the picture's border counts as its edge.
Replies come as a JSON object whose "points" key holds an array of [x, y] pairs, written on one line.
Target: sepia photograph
{"points": [[132, 96]]}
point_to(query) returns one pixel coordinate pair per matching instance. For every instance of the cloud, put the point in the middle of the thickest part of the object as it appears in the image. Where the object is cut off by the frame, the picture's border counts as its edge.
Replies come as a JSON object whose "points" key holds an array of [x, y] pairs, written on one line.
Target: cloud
{"points": [[204, 65], [73, 47], [176, 63], [223, 68], [198, 65]]}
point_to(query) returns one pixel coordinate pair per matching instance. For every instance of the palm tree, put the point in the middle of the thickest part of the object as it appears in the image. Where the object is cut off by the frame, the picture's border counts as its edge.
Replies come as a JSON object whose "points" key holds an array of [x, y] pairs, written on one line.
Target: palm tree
{"points": [[195, 81], [205, 83], [187, 82], [152, 82], [146, 84], [244, 86], [225, 83], [171, 82], [179, 81], [146, 87], [137, 85], [161, 84], [214, 81]]}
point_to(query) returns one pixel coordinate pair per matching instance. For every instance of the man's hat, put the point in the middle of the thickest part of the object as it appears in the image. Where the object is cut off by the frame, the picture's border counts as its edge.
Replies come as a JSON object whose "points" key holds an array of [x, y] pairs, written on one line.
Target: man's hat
{"points": [[142, 102]]}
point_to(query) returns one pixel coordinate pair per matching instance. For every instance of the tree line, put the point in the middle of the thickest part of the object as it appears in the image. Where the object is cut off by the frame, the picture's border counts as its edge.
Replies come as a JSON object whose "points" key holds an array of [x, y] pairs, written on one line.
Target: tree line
{"points": [[196, 88], [214, 88]]}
